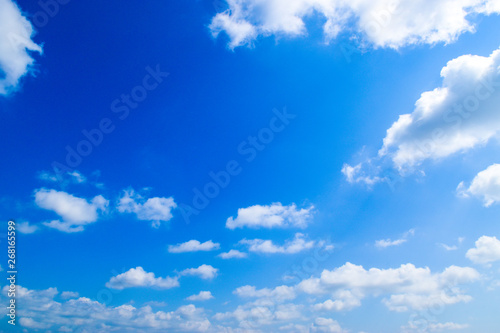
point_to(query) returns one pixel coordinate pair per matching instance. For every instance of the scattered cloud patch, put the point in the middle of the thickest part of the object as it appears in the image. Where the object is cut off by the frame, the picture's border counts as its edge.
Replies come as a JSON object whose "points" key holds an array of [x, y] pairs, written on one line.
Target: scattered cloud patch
{"points": [[380, 23], [138, 277], [75, 212], [16, 46], [279, 293], [87, 315], [272, 216], [296, 245], [154, 209], [193, 246]]}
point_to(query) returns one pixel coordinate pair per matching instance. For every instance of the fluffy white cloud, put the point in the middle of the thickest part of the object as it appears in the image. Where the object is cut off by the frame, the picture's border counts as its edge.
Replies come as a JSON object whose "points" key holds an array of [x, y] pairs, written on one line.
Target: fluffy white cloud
{"points": [[273, 216], [232, 254], [137, 277], [42, 310], [15, 46], [485, 185], [206, 272], [296, 245], [383, 243], [458, 116], [193, 246], [155, 209], [202, 296], [381, 23], [487, 250], [408, 287], [75, 212], [26, 227]]}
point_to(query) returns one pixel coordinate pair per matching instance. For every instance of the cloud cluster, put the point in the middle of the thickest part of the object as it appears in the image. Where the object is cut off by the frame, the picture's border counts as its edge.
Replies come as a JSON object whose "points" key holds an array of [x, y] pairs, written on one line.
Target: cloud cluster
{"points": [[75, 212], [16, 46], [406, 287], [380, 23], [272, 216], [154, 209], [48, 310]]}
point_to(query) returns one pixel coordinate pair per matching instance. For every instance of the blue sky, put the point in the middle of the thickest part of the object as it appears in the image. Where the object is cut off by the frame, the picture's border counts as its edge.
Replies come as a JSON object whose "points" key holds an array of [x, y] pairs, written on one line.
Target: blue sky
{"points": [[251, 166]]}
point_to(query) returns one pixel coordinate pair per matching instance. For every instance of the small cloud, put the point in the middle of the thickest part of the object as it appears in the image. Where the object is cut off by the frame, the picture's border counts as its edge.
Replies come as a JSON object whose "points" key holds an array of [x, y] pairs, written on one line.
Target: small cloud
{"points": [[26, 228], [205, 272], [487, 250], [384, 243], [137, 277], [485, 185], [69, 294], [155, 209], [273, 216], [202, 296], [193, 246], [296, 245], [233, 254]]}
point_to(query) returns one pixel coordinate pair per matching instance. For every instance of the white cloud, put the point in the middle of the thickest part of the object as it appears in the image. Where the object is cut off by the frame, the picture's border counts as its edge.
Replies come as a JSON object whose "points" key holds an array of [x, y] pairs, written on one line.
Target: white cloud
{"points": [[452, 247], [485, 185], [206, 272], [279, 293], [75, 212], [432, 327], [383, 243], [193, 246], [26, 227], [407, 287], [458, 116], [202, 296], [273, 216], [16, 46], [298, 244], [344, 300], [69, 294], [232, 254], [155, 209], [487, 250], [137, 277], [82, 314], [381, 23]]}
